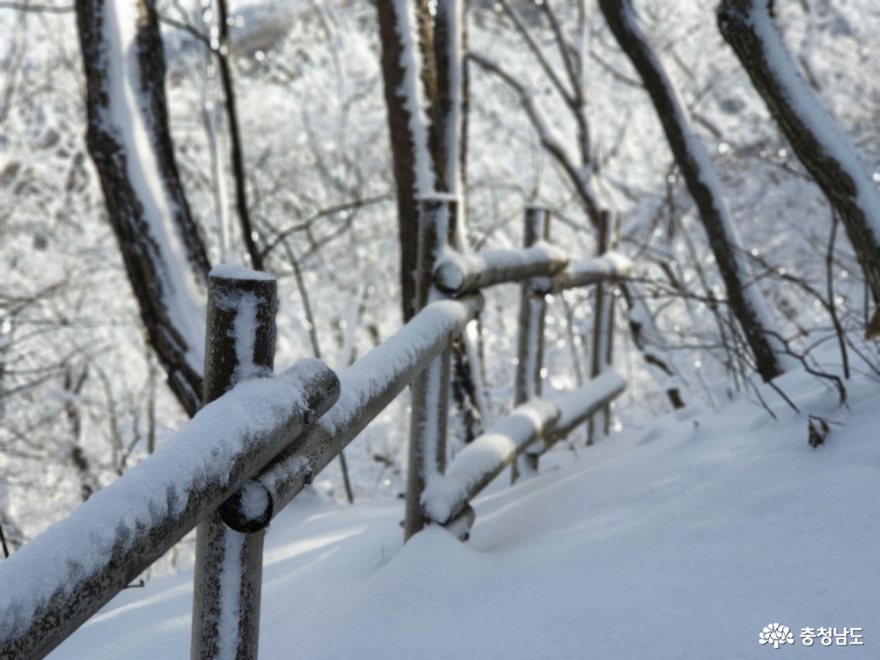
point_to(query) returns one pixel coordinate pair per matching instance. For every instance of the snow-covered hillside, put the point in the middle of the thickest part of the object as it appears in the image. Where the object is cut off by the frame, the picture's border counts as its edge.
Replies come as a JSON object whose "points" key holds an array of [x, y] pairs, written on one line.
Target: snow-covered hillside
{"points": [[683, 539]]}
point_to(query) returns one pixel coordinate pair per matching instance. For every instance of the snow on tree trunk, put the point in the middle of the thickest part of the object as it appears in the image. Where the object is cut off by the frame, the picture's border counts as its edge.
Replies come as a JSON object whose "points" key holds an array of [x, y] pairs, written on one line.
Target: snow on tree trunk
{"points": [[530, 334], [745, 299], [408, 85], [129, 140], [448, 49], [449, 152], [236, 151], [430, 390], [748, 26]]}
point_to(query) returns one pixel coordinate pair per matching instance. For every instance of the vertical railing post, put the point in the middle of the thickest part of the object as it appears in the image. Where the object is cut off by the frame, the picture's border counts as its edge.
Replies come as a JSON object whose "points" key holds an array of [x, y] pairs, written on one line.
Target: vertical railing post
{"points": [[530, 335], [430, 391], [603, 326], [240, 344]]}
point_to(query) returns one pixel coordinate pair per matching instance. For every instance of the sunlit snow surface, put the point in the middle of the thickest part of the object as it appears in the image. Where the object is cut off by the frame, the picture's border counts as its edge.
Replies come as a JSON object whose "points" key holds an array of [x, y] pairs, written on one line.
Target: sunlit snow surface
{"points": [[682, 540]]}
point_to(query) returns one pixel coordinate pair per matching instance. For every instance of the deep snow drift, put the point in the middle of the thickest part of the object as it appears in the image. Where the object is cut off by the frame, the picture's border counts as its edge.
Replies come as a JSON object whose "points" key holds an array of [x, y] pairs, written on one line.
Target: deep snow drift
{"points": [[682, 540]]}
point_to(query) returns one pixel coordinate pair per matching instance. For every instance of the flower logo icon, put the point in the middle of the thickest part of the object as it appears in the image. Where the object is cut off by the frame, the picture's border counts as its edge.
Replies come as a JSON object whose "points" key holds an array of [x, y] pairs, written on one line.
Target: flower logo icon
{"points": [[776, 635]]}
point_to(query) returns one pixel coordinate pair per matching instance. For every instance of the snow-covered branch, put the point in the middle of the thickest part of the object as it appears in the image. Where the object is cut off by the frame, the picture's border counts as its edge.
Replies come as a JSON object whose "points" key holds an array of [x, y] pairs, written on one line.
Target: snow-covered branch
{"points": [[130, 142], [554, 145], [702, 179], [827, 153]]}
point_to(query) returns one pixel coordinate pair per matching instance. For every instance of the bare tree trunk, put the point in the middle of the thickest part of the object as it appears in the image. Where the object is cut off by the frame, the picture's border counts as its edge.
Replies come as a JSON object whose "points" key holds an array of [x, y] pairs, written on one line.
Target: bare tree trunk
{"points": [[748, 26], [448, 154], [130, 142], [407, 84], [603, 313], [430, 389], [696, 166], [236, 152], [530, 335], [447, 119]]}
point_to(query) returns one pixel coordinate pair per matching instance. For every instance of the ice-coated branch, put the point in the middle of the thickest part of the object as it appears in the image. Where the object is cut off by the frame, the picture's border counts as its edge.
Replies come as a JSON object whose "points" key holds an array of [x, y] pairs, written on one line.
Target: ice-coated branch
{"points": [[610, 266], [745, 299], [367, 387], [827, 153], [458, 274], [129, 140], [552, 143], [520, 24], [64, 576]]}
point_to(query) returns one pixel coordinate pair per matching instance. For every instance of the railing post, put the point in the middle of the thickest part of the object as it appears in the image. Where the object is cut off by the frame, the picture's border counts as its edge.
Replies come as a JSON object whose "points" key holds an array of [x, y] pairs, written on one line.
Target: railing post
{"points": [[240, 344], [603, 329], [530, 336], [430, 390]]}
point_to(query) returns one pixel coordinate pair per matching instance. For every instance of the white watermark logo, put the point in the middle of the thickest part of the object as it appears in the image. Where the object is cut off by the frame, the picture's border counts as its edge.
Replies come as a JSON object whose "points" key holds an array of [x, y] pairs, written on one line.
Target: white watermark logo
{"points": [[776, 635]]}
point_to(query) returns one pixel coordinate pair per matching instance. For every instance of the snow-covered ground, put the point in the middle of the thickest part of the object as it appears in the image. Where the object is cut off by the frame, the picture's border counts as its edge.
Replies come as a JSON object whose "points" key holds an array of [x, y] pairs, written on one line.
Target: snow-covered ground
{"points": [[680, 540]]}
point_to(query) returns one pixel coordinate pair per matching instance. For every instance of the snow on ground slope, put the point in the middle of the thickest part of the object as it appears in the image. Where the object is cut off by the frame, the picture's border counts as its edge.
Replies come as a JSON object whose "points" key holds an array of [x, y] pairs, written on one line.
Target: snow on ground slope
{"points": [[679, 541]]}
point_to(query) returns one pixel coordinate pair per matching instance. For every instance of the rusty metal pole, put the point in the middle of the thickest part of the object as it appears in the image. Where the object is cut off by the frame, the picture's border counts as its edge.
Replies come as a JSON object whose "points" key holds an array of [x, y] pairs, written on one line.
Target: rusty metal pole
{"points": [[240, 345]]}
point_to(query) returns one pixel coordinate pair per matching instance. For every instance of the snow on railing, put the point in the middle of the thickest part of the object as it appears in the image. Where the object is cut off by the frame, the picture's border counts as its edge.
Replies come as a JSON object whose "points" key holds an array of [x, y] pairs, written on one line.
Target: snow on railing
{"points": [[261, 439], [477, 465], [367, 387], [55, 583], [459, 274], [609, 266]]}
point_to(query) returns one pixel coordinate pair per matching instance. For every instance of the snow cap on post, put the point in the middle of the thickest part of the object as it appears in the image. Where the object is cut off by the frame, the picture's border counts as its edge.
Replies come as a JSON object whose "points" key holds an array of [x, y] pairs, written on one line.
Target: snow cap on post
{"points": [[242, 304]]}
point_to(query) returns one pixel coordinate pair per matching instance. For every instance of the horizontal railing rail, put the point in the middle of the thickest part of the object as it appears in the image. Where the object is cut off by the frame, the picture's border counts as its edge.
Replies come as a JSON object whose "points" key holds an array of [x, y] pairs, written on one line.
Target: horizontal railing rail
{"points": [[58, 581], [610, 266], [250, 451], [457, 274], [367, 387], [478, 464]]}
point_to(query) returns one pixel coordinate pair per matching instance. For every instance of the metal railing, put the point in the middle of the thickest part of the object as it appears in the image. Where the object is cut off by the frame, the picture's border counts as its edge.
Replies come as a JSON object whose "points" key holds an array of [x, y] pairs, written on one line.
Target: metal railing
{"points": [[260, 439]]}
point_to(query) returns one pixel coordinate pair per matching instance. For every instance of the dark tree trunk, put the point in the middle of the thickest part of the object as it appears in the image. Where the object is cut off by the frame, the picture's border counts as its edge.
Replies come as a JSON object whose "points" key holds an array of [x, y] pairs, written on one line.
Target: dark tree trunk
{"points": [[748, 26], [236, 152], [406, 150], [448, 155], [152, 270], [702, 182]]}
